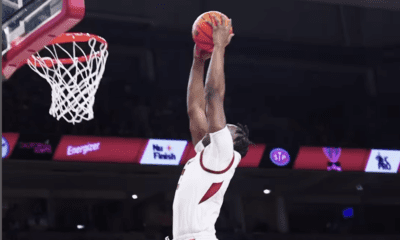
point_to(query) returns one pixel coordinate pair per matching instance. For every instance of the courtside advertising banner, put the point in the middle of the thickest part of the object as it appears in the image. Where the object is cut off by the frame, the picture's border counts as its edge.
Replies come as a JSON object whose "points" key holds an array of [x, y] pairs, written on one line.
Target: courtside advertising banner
{"points": [[163, 152], [99, 149], [332, 159], [279, 157], [383, 161], [253, 156], [35, 147], [9, 140], [178, 152]]}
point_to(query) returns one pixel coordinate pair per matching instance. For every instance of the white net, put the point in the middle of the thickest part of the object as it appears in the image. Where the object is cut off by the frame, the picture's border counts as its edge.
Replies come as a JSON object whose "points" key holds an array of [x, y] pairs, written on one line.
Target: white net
{"points": [[73, 85]]}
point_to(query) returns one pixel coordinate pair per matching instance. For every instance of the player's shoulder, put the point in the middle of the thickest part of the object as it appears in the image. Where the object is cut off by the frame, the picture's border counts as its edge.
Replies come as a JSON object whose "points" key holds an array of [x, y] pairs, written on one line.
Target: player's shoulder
{"points": [[222, 136]]}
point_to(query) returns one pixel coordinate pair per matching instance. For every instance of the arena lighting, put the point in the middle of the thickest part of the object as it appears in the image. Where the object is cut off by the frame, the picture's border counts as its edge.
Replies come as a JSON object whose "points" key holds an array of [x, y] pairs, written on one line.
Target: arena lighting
{"points": [[267, 191], [359, 187], [134, 196], [80, 227], [348, 212]]}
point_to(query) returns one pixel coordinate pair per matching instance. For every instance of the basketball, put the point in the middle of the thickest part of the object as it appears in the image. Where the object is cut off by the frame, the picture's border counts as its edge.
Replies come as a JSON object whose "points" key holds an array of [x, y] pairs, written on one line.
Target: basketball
{"points": [[202, 32]]}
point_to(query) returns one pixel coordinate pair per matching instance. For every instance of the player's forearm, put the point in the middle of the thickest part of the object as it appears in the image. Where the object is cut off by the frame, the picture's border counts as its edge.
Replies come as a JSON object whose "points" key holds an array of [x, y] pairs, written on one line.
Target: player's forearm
{"points": [[216, 76], [195, 97]]}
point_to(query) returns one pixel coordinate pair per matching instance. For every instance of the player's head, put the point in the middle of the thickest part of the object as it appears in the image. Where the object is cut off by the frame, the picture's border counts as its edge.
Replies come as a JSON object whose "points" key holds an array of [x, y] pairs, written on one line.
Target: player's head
{"points": [[240, 135]]}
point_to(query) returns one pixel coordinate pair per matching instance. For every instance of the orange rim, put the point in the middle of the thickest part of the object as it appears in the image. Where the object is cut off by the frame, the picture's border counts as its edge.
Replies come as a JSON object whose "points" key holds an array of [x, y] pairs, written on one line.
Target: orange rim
{"points": [[69, 38]]}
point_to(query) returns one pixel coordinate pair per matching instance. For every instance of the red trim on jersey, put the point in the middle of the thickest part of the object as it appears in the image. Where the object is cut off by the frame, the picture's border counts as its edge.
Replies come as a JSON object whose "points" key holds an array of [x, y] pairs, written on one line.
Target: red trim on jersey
{"points": [[215, 172], [211, 191]]}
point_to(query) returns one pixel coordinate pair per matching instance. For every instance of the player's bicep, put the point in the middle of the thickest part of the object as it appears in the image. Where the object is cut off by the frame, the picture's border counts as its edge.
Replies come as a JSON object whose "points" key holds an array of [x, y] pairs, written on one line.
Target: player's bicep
{"points": [[198, 125], [215, 112]]}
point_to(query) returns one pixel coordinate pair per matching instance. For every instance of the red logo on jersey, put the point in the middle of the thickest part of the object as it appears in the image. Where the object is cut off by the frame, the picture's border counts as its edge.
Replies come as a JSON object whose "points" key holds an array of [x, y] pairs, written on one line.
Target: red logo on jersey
{"points": [[211, 191]]}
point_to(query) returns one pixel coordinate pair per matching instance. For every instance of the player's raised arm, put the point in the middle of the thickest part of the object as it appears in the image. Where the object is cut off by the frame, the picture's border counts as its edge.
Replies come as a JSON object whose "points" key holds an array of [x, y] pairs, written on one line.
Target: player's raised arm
{"points": [[196, 107], [215, 83]]}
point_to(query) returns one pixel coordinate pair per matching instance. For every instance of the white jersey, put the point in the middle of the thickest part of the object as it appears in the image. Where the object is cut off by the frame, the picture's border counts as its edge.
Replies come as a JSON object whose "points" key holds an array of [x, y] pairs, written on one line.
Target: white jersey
{"points": [[202, 186]]}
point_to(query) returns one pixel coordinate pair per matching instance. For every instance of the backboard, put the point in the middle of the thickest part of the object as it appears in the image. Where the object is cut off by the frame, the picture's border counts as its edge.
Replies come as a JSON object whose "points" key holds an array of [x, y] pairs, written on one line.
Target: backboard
{"points": [[29, 25]]}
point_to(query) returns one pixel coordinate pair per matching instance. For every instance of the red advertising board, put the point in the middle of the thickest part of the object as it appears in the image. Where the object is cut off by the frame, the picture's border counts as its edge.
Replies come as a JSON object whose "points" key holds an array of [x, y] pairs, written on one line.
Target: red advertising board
{"points": [[320, 158], [122, 150], [188, 154], [8, 143], [253, 156], [100, 149]]}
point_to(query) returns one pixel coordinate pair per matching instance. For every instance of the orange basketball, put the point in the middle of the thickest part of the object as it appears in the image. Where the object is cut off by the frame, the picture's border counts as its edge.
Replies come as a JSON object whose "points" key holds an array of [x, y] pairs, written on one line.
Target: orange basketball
{"points": [[202, 32]]}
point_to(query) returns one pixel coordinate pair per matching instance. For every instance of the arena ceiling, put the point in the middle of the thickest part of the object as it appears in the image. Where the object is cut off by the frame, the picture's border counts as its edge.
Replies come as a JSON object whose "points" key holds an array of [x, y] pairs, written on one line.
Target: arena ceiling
{"points": [[324, 22]]}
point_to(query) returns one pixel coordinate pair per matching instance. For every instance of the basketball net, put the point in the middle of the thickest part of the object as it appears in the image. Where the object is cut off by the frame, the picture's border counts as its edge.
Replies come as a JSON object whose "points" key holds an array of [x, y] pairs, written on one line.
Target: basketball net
{"points": [[74, 80]]}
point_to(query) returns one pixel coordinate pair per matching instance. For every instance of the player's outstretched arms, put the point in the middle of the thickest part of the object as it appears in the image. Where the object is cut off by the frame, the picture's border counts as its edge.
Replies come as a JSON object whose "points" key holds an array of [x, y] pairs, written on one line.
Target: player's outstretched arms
{"points": [[215, 83], [196, 108]]}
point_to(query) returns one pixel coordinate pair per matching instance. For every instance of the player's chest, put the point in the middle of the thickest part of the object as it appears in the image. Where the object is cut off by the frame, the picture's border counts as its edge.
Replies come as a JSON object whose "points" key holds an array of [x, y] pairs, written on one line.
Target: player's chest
{"points": [[193, 173]]}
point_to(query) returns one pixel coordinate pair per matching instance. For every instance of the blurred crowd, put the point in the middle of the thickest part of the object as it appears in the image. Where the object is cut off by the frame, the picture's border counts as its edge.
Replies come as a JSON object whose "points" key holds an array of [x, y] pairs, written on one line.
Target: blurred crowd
{"points": [[152, 218], [129, 108], [125, 114]]}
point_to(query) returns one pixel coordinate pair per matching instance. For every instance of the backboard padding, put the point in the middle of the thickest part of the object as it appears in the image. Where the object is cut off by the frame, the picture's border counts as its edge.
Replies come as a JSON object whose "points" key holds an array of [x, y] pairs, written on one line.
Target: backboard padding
{"points": [[34, 26]]}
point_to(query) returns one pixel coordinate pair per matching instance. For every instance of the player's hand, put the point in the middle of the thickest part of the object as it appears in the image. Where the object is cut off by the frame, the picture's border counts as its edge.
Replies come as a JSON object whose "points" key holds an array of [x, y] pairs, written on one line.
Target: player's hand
{"points": [[221, 35], [200, 54]]}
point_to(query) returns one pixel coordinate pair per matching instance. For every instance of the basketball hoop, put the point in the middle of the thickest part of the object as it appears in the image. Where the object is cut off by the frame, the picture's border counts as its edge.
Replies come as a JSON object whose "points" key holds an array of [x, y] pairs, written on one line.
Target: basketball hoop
{"points": [[73, 86]]}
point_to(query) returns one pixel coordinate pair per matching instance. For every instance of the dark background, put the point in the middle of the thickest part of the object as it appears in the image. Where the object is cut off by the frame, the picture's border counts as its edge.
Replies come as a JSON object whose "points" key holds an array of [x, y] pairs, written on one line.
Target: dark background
{"points": [[297, 73]]}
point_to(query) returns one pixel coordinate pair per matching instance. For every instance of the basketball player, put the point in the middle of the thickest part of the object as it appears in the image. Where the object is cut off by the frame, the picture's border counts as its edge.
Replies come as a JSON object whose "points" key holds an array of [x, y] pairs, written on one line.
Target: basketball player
{"points": [[219, 146]]}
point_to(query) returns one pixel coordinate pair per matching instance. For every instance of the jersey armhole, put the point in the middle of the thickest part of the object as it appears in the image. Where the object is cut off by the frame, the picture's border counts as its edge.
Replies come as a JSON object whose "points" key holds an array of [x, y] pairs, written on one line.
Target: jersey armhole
{"points": [[212, 171]]}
